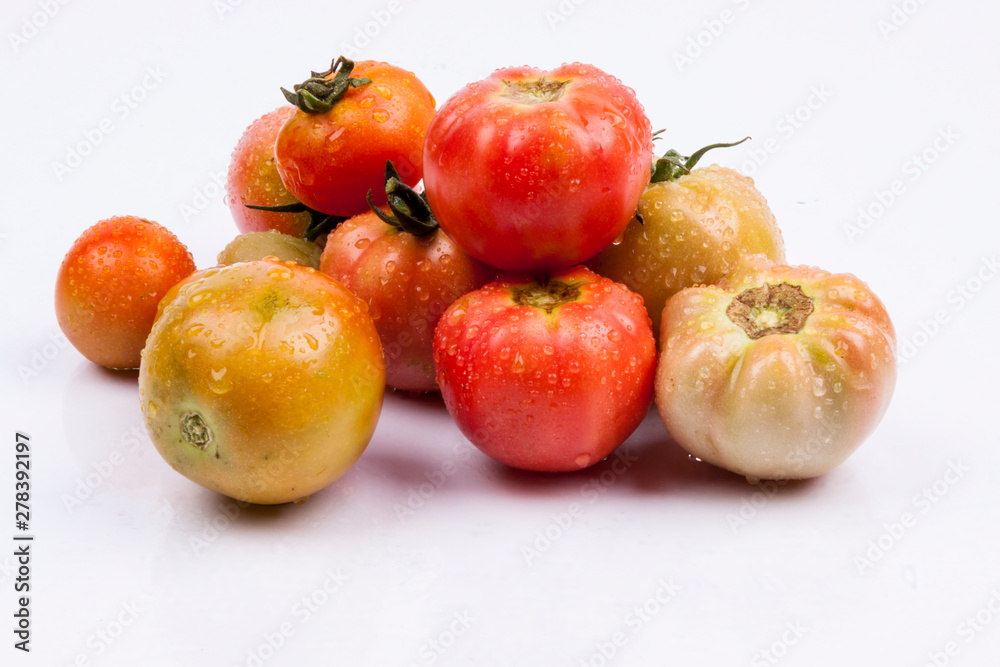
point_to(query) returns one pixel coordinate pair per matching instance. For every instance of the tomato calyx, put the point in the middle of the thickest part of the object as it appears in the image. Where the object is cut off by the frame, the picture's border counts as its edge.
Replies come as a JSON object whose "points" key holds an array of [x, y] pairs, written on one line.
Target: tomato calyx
{"points": [[770, 309], [409, 210], [320, 92], [546, 295], [195, 430], [672, 165], [533, 91], [319, 223]]}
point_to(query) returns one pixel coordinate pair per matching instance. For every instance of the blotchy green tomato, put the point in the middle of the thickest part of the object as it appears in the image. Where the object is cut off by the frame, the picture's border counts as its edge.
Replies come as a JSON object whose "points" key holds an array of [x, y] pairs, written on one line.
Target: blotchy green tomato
{"points": [[694, 230], [261, 380], [779, 372]]}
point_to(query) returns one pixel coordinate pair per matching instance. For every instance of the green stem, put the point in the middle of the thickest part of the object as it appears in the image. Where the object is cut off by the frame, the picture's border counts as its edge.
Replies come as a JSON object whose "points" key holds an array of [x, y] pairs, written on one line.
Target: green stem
{"points": [[320, 92], [673, 165], [409, 211]]}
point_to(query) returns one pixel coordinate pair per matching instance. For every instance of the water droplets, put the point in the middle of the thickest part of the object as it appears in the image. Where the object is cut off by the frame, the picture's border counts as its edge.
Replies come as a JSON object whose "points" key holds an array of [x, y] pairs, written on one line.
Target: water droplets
{"points": [[218, 382], [518, 366], [280, 273]]}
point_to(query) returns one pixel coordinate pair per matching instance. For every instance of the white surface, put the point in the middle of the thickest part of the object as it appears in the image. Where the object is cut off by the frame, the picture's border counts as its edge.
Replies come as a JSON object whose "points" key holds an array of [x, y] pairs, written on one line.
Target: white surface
{"points": [[786, 579]]}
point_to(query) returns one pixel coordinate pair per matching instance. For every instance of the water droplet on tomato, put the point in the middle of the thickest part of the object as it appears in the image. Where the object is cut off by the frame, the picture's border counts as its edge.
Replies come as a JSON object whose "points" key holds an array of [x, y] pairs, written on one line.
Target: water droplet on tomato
{"points": [[518, 365], [380, 115], [582, 460], [218, 382], [279, 273]]}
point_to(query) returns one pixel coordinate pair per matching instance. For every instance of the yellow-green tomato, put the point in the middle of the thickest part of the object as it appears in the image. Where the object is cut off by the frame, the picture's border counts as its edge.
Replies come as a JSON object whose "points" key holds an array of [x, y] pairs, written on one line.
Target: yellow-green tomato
{"points": [[261, 380], [258, 245], [695, 229], [778, 373]]}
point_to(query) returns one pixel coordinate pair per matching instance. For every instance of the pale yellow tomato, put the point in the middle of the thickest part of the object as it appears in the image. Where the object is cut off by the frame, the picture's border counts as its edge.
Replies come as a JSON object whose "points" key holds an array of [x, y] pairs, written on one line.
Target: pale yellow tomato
{"points": [[778, 373]]}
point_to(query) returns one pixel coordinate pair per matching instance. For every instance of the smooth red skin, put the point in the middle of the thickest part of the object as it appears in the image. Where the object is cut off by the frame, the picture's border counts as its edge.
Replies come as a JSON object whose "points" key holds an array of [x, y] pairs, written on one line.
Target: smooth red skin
{"points": [[253, 179], [547, 392], [428, 273], [110, 284], [532, 187], [329, 161]]}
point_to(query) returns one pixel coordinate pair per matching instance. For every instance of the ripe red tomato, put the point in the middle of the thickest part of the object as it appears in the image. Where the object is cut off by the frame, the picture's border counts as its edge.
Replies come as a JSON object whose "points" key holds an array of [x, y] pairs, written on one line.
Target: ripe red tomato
{"points": [[406, 268], [110, 284], [262, 380], [530, 170], [408, 281], [779, 372], [333, 150], [547, 377], [253, 179]]}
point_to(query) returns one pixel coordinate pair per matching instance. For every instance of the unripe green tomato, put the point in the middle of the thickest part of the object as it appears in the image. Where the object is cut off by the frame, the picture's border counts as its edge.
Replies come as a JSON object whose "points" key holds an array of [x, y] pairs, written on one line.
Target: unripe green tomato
{"points": [[694, 230]]}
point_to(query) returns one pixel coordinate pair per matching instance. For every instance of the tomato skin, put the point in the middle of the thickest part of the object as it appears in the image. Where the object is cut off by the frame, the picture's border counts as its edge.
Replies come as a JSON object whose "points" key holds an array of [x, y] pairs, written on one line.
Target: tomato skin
{"points": [[535, 186], [259, 245], [253, 179], [787, 405], [262, 380], [408, 281], [547, 391], [329, 161], [694, 231], [110, 283]]}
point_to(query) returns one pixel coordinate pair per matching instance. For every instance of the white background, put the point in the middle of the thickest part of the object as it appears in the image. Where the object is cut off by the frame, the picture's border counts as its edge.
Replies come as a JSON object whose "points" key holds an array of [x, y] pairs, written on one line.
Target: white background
{"points": [[151, 569]]}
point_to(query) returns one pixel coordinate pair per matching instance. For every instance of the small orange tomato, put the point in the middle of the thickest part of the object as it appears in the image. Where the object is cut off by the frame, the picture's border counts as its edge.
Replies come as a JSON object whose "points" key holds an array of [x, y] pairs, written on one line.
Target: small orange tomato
{"points": [[110, 284], [262, 380], [779, 372], [253, 179], [351, 119]]}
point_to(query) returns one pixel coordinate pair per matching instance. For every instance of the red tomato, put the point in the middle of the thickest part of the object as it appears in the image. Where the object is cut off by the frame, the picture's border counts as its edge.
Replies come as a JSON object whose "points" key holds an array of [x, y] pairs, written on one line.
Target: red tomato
{"points": [[253, 179], [332, 155], [530, 170], [406, 268], [408, 281], [778, 373], [547, 377], [110, 283]]}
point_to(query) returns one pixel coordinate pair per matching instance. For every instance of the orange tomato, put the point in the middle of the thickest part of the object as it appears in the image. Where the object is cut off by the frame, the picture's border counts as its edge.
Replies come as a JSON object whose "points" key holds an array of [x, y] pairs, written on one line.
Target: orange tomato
{"points": [[110, 284], [262, 380], [330, 159]]}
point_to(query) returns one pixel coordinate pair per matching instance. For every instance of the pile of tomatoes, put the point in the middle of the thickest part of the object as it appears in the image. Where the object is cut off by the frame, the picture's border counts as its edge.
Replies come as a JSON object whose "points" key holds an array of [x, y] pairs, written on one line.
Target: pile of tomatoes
{"points": [[520, 250]]}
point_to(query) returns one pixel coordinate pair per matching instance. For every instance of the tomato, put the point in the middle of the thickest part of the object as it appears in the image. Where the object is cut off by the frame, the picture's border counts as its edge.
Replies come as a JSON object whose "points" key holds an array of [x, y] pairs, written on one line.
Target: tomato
{"points": [[261, 380], [547, 376], [408, 271], [530, 170], [110, 284], [258, 245], [253, 180], [333, 150], [778, 373], [696, 226]]}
